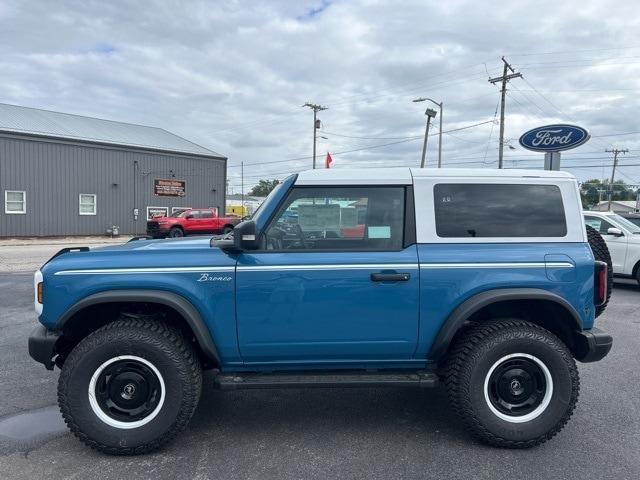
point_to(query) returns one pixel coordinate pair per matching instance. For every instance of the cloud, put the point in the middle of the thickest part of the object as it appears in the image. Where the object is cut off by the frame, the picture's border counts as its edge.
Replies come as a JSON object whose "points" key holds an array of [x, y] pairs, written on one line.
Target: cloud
{"points": [[233, 76]]}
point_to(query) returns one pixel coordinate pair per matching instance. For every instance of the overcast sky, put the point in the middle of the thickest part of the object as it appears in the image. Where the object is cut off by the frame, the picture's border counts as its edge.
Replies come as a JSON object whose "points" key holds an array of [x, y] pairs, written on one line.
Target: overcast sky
{"points": [[232, 76]]}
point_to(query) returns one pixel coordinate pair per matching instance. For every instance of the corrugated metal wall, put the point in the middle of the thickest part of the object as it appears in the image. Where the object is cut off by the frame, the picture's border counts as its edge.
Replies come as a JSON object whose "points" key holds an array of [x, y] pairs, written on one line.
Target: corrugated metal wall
{"points": [[54, 174]]}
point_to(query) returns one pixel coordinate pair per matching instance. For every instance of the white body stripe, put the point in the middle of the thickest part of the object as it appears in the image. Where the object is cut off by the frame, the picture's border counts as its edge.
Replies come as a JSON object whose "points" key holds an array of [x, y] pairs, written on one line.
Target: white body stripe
{"points": [[271, 268], [353, 266], [499, 265], [124, 271]]}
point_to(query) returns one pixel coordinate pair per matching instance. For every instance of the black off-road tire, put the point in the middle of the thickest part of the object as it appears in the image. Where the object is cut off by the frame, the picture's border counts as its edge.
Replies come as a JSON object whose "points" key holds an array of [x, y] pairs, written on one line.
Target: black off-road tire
{"points": [[478, 351], [176, 232], [161, 346], [601, 252]]}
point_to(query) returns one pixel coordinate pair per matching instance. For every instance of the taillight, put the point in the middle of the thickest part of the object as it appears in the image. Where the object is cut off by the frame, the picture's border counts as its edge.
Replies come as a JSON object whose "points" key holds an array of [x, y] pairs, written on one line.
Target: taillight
{"points": [[601, 280]]}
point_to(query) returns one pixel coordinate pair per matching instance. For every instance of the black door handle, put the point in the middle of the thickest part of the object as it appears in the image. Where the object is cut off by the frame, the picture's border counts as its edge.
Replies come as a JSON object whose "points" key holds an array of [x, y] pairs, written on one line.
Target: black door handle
{"points": [[390, 277]]}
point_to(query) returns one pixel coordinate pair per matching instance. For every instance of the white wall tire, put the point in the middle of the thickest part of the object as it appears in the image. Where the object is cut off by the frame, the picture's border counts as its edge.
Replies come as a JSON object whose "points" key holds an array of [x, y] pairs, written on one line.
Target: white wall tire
{"points": [[104, 416], [496, 350], [544, 402], [151, 366]]}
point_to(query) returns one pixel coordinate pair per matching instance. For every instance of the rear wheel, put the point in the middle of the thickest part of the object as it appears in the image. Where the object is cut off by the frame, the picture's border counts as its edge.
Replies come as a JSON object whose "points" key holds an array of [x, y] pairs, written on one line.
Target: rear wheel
{"points": [[601, 252], [513, 383], [129, 387], [176, 232]]}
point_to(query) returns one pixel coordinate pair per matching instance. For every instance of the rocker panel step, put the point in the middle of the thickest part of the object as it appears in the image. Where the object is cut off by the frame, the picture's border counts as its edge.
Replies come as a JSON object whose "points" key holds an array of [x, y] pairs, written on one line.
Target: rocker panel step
{"points": [[236, 381]]}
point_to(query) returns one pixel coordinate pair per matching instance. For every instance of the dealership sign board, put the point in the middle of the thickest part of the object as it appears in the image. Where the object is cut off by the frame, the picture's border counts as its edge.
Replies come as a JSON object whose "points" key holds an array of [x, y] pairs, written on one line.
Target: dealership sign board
{"points": [[554, 138], [156, 212], [169, 188]]}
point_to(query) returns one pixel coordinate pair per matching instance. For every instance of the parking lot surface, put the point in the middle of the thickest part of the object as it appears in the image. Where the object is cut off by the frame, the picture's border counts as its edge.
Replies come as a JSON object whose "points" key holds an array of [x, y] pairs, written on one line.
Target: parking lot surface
{"points": [[27, 254], [324, 433]]}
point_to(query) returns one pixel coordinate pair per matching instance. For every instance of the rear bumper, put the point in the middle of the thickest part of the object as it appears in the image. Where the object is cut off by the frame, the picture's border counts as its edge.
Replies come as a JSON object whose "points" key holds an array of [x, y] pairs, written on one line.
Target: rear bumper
{"points": [[42, 346], [592, 345]]}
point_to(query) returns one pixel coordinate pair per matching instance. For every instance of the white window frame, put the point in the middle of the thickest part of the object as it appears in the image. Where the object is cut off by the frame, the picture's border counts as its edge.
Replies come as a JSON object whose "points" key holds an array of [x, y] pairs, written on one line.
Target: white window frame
{"points": [[95, 203], [24, 202]]}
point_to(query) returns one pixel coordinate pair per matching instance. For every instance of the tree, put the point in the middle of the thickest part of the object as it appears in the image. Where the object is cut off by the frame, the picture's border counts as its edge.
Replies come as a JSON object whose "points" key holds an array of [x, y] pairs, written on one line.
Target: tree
{"points": [[594, 190], [263, 188]]}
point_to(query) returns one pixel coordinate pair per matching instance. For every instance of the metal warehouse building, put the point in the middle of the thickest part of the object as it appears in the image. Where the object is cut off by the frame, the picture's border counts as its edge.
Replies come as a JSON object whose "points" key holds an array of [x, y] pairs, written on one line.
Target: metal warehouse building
{"points": [[63, 174]]}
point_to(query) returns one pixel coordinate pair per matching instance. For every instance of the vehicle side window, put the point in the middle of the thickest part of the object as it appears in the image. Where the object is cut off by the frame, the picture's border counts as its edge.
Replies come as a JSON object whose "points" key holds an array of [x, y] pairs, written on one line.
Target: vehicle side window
{"points": [[599, 224], [339, 218], [194, 214], [499, 210], [206, 214]]}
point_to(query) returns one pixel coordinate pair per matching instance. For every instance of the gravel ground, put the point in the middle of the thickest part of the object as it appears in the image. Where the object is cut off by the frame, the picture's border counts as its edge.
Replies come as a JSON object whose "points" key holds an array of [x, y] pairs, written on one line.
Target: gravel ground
{"points": [[324, 433]]}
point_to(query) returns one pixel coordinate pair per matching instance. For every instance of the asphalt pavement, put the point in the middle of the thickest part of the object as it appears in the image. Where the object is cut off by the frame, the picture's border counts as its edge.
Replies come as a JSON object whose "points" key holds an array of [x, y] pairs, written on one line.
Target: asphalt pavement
{"points": [[324, 433]]}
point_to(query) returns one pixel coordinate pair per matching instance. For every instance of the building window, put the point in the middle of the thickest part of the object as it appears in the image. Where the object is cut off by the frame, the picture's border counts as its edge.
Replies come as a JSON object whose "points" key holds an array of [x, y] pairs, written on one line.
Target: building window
{"points": [[87, 204], [15, 202], [498, 210]]}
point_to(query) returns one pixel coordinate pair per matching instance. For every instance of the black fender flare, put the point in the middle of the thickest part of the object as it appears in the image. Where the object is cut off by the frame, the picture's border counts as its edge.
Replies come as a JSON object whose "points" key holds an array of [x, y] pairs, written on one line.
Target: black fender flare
{"points": [[465, 310], [180, 304]]}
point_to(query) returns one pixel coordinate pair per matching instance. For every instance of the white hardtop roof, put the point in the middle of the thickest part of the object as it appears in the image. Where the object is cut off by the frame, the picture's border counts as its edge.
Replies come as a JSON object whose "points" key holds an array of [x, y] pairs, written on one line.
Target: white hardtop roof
{"points": [[405, 175]]}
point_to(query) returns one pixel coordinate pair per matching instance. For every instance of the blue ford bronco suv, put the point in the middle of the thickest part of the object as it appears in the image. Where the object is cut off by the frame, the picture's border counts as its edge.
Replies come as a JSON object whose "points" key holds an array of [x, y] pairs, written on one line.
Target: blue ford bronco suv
{"points": [[482, 280]]}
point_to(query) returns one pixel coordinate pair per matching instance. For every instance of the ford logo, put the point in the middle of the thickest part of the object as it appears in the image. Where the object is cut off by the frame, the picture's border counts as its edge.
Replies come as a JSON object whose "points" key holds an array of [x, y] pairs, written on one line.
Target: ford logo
{"points": [[554, 138]]}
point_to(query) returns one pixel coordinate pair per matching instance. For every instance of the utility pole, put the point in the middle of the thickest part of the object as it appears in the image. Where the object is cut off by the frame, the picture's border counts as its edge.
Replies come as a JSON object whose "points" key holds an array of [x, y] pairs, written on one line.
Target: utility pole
{"points": [[504, 79], [316, 125], [615, 152], [242, 186]]}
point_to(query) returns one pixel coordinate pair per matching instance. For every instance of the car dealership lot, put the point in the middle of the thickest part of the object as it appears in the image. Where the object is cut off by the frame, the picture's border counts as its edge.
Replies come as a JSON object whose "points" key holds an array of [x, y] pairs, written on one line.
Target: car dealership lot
{"points": [[325, 433], [27, 254]]}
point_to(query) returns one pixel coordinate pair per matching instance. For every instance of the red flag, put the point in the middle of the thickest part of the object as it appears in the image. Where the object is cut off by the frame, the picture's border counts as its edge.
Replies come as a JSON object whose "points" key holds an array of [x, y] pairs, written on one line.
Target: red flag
{"points": [[328, 160]]}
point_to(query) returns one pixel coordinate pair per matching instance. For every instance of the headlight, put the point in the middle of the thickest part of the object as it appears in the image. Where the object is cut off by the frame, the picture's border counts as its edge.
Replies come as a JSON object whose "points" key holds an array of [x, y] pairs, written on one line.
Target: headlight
{"points": [[38, 287]]}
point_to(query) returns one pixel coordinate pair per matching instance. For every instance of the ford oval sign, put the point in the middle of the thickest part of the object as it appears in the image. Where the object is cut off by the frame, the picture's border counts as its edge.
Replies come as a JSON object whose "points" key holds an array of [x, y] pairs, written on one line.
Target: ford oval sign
{"points": [[554, 138]]}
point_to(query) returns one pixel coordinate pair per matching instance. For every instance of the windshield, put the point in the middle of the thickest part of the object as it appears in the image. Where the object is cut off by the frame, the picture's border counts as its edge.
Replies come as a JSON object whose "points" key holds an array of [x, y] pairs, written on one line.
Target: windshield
{"points": [[179, 213], [272, 194], [632, 227]]}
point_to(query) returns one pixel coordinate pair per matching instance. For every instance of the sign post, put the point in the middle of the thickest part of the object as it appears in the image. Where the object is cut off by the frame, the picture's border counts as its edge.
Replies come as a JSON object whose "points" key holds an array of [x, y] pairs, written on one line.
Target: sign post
{"points": [[553, 139], [552, 161]]}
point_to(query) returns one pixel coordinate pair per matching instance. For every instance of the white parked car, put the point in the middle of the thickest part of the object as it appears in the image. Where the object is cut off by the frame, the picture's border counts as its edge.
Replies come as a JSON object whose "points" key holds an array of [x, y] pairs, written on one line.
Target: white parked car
{"points": [[623, 240]]}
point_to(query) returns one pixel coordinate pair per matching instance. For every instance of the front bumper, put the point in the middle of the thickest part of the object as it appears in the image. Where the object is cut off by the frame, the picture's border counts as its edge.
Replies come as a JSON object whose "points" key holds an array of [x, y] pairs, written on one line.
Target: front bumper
{"points": [[42, 346], [154, 229], [592, 345]]}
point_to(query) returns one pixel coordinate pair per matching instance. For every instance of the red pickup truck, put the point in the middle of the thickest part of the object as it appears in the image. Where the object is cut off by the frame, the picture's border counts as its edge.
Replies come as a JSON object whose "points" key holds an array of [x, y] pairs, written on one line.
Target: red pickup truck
{"points": [[192, 221]]}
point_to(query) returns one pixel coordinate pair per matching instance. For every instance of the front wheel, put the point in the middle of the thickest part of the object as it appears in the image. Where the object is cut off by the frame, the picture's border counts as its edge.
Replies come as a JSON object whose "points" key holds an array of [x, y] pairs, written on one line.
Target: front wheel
{"points": [[130, 387], [176, 232], [513, 383]]}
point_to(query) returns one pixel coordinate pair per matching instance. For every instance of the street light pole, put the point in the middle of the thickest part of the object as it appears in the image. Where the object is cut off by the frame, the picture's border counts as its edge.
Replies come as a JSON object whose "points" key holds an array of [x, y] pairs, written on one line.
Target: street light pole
{"points": [[440, 138], [439, 105], [424, 145]]}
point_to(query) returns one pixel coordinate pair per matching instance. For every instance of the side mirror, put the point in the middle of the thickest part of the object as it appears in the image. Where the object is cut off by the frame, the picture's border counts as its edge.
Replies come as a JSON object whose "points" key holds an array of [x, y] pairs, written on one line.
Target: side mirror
{"points": [[615, 232], [245, 236]]}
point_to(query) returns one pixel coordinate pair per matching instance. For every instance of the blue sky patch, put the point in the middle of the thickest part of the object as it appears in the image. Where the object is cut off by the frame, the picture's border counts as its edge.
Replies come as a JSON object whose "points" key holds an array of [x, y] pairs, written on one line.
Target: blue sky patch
{"points": [[314, 11]]}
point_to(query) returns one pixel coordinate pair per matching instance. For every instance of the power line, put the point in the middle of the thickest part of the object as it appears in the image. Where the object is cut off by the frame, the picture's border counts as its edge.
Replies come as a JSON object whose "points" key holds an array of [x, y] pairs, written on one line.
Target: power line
{"points": [[531, 54], [368, 147]]}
